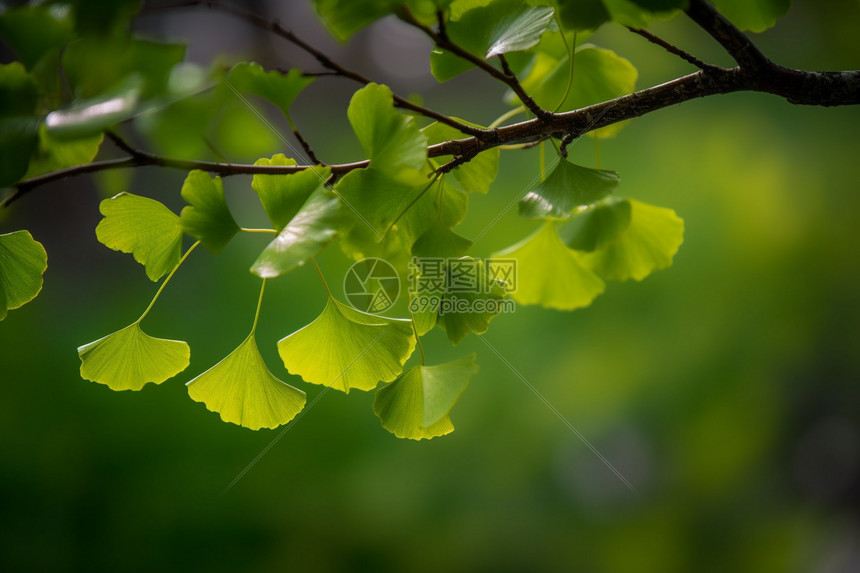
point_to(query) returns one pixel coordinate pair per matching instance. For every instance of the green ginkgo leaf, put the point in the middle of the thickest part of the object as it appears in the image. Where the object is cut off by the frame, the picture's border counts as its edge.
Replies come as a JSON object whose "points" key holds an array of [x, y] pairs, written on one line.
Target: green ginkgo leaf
{"points": [[129, 359], [344, 348], [597, 226], [53, 154], [649, 243], [343, 18], [279, 88], [753, 15], [23, 261], [244, 392], [313, 227], [390, 139], [416, 405], [488, 31], [440, 241], [566, 189], [550, 274], [143, 227], [474, 176], [471, 299], [207, 217], [283, 195]]}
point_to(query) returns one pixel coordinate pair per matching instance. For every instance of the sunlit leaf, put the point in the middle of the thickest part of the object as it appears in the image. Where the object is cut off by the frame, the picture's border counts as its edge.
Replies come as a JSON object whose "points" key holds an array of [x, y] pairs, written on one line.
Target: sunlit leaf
{"points": [[440, 241], [129, 359], [390, 139], [23, 261], [243, 390], [143, 227], [474, 176], [550, 274], [283, 195], [345, 349], [88, 117], [34, 30], [753, 15], [650, 242], [279, 88], [53, 154], [344, 18], [417, 405], [597, 226], [565, 190], [207, 217], [470, 300], [313, 227]]}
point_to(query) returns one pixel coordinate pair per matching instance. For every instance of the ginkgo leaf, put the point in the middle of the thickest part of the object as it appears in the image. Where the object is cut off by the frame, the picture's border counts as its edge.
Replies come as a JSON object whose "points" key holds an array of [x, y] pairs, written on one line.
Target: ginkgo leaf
{"points": [[143, 227], [389, 138], [91, 116], [343, 18], [129, 359], [488, 31], [19, 128], [582, 14], [344, 348], [313, 227], [649, 243], [279, 88], [566, 189], [417, 404], [440, 241], [471, 299], [23, 261], [474, 176], [597, 226], [207, 217], [53, 154], [243, 390], [753, 15], [550, 274], [283, 195]]}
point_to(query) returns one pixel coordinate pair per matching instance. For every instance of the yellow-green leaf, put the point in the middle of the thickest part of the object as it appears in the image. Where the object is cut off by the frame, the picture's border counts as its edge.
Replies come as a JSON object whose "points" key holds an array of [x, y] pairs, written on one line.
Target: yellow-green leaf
{"points": [[283, 195], [207, 217], [244, 392], [23, 261], [129, 359]]}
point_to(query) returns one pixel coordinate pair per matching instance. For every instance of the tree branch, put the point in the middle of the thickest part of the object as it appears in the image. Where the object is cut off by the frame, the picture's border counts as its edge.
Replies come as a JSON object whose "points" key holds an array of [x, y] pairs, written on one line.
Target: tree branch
{"points": [[275, 27], [672, 49], [735, 42]]}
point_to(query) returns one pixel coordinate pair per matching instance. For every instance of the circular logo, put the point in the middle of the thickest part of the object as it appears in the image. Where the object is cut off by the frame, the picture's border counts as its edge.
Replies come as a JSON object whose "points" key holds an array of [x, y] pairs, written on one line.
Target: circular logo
{"points": [[371, 285]]}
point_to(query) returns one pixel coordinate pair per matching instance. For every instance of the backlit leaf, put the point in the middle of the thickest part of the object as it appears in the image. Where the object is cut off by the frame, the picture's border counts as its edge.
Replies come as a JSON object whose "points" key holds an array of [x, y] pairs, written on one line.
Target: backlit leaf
{"points": [[417, 404], [344, 18], [207, 217], [23, 261], [283, 195], [344, 348], [471, 299], [753, 15], [566, 189], [129, 359], [650, 242], [143, 227], [597, 226], [243, 390], [550, 274], [53, 154], [313, 227], [279, 88], [474, 176]]}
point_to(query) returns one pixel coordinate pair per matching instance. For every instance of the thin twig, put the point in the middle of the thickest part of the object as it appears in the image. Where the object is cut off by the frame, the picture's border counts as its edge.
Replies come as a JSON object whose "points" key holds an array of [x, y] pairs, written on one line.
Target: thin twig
{"points": [[672, 49], [735, 42]]}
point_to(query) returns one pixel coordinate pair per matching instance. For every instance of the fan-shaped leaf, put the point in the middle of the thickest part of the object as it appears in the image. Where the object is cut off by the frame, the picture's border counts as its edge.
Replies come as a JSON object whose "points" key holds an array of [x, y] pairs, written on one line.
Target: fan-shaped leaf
{"points": [[53, 154], [143, 227], [313, 227], [129, 359], [649, 243], [550, 274], [279, 88], [243, 390], [283, 195], [439, 241], [597, 226], [567, 188], [753, 15], [207, 217], [344, 348], [416, 405], [470, 300], [23, 261]]}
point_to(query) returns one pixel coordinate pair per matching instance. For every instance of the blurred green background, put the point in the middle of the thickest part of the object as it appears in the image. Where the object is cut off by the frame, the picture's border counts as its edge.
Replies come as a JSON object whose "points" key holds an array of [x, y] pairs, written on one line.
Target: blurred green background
{"points": [[724, 388]]}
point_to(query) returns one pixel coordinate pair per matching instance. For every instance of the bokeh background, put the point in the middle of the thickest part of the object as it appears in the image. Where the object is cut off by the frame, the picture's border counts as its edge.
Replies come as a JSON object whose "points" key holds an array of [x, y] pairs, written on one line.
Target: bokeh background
{"points": [[724, 388]]}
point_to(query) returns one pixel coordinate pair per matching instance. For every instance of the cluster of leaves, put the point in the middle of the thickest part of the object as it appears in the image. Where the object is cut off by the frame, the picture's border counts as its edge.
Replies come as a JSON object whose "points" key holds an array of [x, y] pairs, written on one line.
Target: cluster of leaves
{"points": [[82, 73]]}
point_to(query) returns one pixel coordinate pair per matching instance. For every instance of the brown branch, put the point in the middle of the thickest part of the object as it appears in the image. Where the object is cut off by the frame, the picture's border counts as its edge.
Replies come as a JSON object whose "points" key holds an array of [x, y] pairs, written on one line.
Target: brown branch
{"points": [[672, 49], [275, 27], [735, 42]]}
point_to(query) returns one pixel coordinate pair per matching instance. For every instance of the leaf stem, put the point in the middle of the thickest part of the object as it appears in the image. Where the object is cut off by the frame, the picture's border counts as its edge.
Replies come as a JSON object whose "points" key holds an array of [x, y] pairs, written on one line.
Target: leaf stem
{"points": [[319, 272], [570, 56], [259, 304], [271, 231], [415, 330], [411, 203], [167, 280], [541, 160], [506, 116]]}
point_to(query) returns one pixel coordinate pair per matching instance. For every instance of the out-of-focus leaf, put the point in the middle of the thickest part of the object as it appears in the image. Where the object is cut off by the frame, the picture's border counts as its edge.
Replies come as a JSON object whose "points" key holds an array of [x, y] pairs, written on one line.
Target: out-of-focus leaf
{"points": [[650, 242], [418, 403], [344, 348], [19, 129], [752, 15], [597, 226], [129, 359], [313, 227], [207, 217], [582, 14], [23, 261], [550, 274], [568, 188], [89, 117], [244, 392], [344, 18], [34, 30], [279, 88], [143, 227], [104, 17], [53, 154]]}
